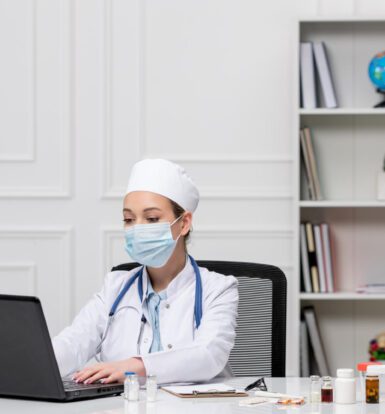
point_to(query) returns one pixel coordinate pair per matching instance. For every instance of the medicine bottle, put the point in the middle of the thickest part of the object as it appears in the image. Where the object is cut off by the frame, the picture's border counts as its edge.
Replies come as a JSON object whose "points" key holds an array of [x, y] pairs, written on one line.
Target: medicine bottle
{"points": [[327, 390], [315, 389], [131, 386], [345, 387], [362, 368], [372, 385], [151, 388]]}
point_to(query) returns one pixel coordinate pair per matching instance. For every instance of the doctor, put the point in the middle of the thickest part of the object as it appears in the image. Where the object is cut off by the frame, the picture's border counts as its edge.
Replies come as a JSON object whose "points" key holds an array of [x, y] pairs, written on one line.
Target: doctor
{"points": [[168, 317]]}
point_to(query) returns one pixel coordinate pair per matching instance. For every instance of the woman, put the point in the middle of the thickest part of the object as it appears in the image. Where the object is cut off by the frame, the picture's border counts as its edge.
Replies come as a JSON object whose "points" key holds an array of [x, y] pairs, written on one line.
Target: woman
{"points": [[167, 317]]}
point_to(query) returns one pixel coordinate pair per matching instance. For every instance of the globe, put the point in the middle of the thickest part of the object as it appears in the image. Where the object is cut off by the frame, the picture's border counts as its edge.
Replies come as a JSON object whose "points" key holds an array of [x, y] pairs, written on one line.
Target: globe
{"points": [[377, 75], [377, 70]]}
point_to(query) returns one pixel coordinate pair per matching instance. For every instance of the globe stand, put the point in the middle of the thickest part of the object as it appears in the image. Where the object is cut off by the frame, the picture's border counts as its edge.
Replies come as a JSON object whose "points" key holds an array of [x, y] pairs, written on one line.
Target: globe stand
{"points": [[381, 104]]}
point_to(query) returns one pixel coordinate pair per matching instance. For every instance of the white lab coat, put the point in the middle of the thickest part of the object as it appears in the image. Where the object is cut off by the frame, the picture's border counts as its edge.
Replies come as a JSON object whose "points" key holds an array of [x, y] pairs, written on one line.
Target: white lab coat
{"points": [[189, 354]]}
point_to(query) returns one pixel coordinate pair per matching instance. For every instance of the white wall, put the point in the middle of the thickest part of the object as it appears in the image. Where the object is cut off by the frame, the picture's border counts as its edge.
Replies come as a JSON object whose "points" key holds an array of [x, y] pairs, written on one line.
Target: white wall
{"points": [[88, 87]]}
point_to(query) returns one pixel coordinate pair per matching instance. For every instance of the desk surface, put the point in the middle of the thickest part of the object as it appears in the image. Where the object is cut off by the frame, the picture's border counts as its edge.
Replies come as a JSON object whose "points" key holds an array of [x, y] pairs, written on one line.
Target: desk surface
{"points": [[169, 404]]}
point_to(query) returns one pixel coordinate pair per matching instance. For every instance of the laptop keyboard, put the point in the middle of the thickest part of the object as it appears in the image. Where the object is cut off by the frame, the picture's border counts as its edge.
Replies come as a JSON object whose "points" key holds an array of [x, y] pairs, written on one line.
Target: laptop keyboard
{"points": [[72, 385]]}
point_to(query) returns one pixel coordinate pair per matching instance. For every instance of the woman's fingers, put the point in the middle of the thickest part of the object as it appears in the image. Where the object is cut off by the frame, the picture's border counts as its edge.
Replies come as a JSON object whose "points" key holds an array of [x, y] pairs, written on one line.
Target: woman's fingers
{"points": [[97, 376], [109, 372], [117, 376], [88, 372]]}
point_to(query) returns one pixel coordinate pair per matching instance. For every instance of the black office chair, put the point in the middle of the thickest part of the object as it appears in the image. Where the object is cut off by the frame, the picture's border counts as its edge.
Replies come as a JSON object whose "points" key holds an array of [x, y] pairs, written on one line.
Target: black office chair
{"points": [[260, 344]]}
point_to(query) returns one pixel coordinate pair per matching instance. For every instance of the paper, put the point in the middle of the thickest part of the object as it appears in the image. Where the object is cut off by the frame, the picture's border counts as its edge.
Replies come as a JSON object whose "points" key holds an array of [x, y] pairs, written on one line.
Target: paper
{"points": [[200, 388], [250, 402]]}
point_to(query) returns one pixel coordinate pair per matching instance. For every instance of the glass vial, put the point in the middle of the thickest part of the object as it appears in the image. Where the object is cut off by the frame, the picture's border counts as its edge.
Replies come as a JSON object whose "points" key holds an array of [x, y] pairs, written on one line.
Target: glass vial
{"points": [[372, 386], [327, 390], [151, 388], [131, 386], [315, 389]]}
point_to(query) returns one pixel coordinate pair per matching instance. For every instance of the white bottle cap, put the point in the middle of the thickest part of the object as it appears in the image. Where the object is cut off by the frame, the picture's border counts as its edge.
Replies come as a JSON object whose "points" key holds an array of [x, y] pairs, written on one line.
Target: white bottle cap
{"points": [[345, 373], [375, 369]]}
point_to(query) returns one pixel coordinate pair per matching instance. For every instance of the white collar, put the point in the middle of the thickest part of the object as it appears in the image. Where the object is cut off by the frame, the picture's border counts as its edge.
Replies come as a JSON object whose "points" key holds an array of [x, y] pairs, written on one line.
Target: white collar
{"points": [[184, 278]]}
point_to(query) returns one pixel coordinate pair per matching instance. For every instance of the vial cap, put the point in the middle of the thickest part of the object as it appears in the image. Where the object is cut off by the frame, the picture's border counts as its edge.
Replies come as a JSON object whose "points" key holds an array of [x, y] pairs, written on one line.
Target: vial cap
{"points": [[345, 373], [376, 369], [362, 366], [129, 373]]}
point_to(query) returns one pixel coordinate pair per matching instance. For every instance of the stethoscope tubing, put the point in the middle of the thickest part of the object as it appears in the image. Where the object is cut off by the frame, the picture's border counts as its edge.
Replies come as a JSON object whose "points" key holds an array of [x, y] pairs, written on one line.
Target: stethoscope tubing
{"points": [[139, 275]]}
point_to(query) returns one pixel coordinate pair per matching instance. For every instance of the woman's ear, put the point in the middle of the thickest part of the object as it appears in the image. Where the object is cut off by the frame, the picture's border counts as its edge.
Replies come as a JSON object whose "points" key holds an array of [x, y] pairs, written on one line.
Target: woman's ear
{"points": [[186, 222]]}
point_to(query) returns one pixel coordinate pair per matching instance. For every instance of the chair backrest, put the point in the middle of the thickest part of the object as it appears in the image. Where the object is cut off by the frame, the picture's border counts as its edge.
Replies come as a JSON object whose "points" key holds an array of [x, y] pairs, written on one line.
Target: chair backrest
{"points": [[260, 344]]}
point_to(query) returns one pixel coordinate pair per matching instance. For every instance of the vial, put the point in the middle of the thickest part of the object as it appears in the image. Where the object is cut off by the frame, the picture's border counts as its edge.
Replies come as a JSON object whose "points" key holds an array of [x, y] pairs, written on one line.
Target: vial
{"points": [[327, 390], [372, 385], [315, 389], [131, 386], [151, 388]]}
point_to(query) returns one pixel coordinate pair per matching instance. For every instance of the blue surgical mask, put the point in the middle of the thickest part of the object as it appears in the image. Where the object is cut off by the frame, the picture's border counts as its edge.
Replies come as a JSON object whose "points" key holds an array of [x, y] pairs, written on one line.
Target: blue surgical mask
{"points": [[150, 244]]}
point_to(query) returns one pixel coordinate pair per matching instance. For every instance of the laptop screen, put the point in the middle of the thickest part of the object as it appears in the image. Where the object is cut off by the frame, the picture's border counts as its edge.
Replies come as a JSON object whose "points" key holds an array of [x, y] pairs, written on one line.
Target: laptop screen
{"points": [[28, 366]]}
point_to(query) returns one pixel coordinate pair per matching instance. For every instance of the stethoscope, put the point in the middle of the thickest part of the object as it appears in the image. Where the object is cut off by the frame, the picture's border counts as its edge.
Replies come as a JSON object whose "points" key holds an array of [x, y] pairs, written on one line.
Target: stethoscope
{"points": [[139, 275]]}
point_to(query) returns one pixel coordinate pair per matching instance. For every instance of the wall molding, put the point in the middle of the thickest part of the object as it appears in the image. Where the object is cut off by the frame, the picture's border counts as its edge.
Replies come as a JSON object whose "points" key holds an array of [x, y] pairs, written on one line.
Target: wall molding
{"points": [[62, 233], [63, 189], [111, 191], [230, 192], [223, 158], [107, 188], [30, 154], [30, 268]]}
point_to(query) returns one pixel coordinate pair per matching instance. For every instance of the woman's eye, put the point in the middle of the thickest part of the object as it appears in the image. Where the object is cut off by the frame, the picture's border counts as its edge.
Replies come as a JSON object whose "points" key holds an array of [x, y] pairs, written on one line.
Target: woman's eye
{"points": [[152, 219], [128, 220]]}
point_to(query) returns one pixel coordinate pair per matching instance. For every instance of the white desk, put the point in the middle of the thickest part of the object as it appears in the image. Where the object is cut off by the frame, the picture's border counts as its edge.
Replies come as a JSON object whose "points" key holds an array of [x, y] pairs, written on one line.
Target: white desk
{"points": [[168, 404]]}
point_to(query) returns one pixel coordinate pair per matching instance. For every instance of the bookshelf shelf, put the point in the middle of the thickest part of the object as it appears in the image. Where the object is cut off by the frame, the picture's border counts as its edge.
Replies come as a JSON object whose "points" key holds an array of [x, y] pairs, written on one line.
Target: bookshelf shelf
{"points": [[342, 204], [341, 19], [349, 147], [341, 296], [342, 111]]}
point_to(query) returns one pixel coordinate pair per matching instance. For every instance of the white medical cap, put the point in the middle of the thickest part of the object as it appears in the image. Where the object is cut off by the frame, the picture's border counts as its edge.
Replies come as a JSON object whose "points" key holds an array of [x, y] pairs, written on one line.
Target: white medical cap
{"points": [[165, 178]]}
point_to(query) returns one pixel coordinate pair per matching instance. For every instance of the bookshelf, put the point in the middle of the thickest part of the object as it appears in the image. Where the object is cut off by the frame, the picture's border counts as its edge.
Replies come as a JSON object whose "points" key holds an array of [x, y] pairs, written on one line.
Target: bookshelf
{"points": [[349, 145]]}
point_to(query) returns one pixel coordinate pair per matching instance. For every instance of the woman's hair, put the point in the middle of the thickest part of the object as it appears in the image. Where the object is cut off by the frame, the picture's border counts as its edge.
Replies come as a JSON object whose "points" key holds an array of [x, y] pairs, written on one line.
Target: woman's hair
{"points": [[178, 211]]}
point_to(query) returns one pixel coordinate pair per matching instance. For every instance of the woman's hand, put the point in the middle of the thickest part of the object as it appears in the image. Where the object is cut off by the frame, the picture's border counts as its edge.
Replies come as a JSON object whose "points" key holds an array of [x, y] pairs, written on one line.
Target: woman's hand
{"points": [[108, 372]]}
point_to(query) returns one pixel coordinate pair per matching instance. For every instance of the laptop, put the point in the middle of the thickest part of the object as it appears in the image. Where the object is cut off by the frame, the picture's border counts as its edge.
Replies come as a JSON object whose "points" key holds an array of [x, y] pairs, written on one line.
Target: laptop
{"points": [[28, 367]]}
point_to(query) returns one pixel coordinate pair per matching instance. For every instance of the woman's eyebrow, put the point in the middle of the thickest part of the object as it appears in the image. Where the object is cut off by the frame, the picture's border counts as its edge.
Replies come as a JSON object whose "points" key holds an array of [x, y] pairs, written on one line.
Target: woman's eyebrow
{"points": [[152, 208], [146, 209]]}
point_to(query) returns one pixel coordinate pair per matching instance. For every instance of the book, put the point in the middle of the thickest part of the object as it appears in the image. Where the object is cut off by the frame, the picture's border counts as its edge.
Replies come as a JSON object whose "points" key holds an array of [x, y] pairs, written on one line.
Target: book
{"points": [[371, 288], [327, 256], [307, 76], [320, 258], [315, 279], [315, 340], [304, 350], [313, 164], [305, 260], [306, 160], [312, 257], [324, 75]]}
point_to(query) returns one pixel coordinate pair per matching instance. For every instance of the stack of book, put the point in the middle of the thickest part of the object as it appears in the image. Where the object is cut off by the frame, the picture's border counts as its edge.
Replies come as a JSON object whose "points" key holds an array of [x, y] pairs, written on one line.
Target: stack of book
{"points": [[312, 353], [372, 288], [309, 161], [316, 258], [311, 53]]}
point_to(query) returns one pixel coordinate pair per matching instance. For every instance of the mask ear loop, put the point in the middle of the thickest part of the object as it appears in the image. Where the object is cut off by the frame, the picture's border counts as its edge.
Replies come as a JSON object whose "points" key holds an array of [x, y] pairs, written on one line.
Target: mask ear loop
{"points": [[174, 223]]}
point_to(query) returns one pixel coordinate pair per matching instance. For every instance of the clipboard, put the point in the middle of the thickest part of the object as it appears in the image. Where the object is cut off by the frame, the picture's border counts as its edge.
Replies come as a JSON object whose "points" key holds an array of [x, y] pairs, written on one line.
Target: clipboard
{"points": [[204, 391]]}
